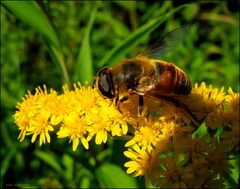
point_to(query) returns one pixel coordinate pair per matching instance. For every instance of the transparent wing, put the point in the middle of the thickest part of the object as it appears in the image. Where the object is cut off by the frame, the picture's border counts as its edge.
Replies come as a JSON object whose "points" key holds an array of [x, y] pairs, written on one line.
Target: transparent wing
{"points": [[166, 43]]}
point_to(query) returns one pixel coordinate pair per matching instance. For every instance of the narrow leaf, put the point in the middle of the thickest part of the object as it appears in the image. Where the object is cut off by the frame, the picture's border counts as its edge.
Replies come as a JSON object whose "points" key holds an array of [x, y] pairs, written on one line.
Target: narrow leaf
{"points": [[84, 67], [6, 160], [118, 52], [118, 27], [50, 160], [68, 162], [30, 13], [112, 176]]}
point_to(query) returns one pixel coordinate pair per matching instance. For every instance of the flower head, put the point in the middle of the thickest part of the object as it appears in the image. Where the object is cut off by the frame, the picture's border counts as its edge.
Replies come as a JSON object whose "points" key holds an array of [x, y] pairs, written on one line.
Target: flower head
{"points": [[80, 115], [162, 143], [75, 128], [207, 103], [141, 160], [34, 115]]}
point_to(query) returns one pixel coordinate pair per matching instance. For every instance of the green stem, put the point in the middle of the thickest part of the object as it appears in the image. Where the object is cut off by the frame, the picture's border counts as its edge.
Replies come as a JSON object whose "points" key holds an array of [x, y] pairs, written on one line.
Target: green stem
{"points": [[58, 58], [64, 70]]}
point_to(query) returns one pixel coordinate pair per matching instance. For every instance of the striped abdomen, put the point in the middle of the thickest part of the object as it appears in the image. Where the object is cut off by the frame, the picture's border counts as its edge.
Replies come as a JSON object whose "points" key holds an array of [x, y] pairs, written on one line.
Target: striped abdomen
{"points": [[171, 79]]}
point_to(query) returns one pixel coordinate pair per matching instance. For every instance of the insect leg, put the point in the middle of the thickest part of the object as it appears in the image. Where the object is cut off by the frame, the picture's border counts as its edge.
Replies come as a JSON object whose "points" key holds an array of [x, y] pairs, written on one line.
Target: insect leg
{"points": [[116, 100], [140, 107], [178, 103]]}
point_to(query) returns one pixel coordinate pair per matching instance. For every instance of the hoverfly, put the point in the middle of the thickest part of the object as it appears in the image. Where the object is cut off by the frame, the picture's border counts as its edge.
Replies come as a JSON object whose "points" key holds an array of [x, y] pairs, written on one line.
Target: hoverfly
{"points": [[145, 75]]}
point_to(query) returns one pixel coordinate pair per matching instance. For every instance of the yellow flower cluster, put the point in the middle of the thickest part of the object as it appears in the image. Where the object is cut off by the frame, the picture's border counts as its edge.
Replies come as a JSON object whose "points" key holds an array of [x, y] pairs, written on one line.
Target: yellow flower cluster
{"points": [[167, 149], [37, 115], [175, 145], [78, 114]]}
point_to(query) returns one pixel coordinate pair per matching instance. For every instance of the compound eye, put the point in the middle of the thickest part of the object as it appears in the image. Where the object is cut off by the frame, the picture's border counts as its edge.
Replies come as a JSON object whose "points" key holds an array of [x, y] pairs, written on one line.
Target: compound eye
{"points": [[105, 83]]}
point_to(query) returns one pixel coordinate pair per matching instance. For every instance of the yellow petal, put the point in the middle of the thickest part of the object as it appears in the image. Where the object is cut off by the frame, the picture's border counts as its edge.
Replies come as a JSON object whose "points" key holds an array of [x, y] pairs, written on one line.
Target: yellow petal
{"points": [[34, 137], [136, 148], [21, 136], [42, 138], [124, 128], [131, 164], [85, 143], [75, 143], [130, 170], [130, 143], [48, 137], [98, 138], [55, 120], [104, 136], [130, 155], [50, 128]]}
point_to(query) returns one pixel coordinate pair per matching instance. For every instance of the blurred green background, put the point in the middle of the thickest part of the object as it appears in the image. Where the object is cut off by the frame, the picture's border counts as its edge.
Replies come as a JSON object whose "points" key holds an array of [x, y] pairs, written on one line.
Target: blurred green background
{"points": [[61, 42]]}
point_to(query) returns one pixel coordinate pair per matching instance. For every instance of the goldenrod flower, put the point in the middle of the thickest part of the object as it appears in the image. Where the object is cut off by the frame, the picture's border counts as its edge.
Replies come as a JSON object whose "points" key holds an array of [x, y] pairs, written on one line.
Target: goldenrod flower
{"points": [[193, 163], [207, 103], [172, 173], [158, 138], [150, 139], [170, 132], [230, 137], [24, 113], [217, 158], [75, 128], [34, 115], [146, 137], [231, 121], [205, 99], [104, 121], [142, 160], [80, 115]]}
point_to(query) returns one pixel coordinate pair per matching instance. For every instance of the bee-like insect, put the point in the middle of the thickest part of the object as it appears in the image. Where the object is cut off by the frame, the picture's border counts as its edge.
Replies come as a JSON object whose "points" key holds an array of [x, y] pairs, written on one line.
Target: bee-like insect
{"points": [[147, 76]]}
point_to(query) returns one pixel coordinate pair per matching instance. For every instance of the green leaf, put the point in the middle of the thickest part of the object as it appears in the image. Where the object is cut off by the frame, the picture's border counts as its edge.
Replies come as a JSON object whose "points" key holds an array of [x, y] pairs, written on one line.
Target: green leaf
{"points": [[118, 27], [7, 99], [191, 11], [68, 162], [231, 178], [235, 163], [118, 52], [58, 59], [49, 159], [112, 176], [85, 183], [6, 160], [84, 67], [201, 131], [30, 13], [127, 5]]}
